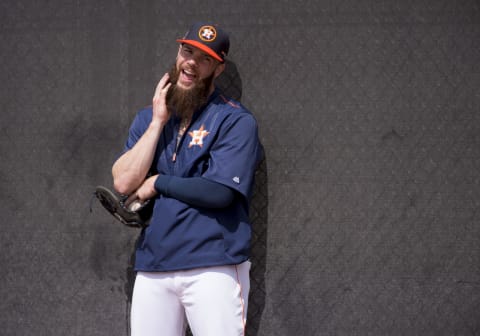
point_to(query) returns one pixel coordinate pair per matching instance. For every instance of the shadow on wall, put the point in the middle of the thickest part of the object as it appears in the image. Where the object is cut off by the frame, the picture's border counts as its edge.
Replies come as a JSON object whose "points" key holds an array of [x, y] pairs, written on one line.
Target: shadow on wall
{"points": [[231, 84], [259, 216]]}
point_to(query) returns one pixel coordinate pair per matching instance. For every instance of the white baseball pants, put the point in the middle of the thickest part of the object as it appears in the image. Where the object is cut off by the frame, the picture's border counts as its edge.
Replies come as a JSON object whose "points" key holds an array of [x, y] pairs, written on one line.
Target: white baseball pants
{"points": [[213, 300]]}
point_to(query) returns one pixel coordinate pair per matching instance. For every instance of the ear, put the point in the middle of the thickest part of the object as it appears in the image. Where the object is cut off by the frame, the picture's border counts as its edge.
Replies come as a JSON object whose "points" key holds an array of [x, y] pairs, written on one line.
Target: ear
{"points": [[218, 70]]}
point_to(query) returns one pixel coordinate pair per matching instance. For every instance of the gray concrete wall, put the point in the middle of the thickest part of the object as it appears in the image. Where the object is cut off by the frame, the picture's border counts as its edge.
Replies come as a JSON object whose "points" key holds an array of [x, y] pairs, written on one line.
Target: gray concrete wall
{"points": [[366, 209]]}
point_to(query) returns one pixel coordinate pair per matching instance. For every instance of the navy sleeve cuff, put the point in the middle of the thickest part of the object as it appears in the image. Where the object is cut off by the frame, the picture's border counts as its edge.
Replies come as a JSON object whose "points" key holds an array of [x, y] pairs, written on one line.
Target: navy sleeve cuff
{"points": [[161, 184]]}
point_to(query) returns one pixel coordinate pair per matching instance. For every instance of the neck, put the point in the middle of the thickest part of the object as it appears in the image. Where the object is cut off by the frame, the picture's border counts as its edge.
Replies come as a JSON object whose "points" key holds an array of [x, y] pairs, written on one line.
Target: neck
{"points": [[211, 90]]}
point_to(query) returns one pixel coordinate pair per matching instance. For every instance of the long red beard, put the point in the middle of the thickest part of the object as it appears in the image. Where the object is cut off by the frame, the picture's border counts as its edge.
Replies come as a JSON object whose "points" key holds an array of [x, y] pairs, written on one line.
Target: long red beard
{"points": [[186, 101]]}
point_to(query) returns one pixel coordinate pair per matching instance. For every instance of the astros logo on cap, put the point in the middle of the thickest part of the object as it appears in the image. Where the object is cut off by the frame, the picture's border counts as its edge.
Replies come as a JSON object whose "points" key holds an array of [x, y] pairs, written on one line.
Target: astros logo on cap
{"points": [[207, 33]]}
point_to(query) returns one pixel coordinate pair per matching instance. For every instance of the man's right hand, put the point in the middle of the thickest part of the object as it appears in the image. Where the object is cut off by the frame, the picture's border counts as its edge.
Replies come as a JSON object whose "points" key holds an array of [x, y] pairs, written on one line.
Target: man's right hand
{"points": [[131, 169], [159, 101]]}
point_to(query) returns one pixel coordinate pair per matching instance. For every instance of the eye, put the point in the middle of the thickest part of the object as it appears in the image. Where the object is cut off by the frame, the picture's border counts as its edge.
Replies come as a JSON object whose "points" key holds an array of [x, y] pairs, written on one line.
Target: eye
{"points": [[207, 59], [186, 50]]}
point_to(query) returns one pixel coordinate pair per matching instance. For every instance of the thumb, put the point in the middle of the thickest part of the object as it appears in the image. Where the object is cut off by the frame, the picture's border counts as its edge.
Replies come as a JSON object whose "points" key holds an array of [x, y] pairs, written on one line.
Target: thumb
{"points": [[131, 199]]}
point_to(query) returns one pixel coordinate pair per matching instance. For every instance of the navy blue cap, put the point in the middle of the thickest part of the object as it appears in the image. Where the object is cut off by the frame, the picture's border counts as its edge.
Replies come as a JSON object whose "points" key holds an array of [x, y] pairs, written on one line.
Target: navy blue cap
{"points": [[209, 38]]}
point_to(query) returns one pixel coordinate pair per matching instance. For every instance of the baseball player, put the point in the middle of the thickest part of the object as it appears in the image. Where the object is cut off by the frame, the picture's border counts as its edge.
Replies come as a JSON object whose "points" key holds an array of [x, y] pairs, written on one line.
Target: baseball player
{"points": [[193, 153]]}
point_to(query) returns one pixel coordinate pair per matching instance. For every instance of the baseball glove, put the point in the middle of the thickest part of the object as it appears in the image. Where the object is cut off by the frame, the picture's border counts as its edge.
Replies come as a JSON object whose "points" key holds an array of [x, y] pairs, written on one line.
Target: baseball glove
{"points": [[137, 214]]}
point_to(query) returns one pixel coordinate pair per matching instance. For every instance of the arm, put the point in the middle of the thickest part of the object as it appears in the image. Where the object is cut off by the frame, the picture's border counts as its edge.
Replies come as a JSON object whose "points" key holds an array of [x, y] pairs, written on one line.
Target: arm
{"points": [[130, 170], [196, 191]]}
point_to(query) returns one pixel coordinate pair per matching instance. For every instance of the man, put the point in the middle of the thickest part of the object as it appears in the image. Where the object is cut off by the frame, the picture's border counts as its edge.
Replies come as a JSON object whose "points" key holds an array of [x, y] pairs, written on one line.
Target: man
{"points": [[194, 153]]}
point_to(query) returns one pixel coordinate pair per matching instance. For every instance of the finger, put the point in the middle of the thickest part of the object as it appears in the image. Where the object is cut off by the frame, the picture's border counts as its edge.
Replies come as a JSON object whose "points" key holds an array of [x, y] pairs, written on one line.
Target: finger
{"points": [[130, 199], [161, 84], [166, 88], [161, 97]]}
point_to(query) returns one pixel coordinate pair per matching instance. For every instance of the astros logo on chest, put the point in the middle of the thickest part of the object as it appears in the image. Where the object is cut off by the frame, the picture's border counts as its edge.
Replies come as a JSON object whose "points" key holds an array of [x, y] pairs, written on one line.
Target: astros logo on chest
{"points": [[197, 136]]}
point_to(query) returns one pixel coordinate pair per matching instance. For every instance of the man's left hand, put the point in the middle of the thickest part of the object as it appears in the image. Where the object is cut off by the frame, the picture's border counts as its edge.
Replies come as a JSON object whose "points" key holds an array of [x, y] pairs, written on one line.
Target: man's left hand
{"points": [[146, 191]]}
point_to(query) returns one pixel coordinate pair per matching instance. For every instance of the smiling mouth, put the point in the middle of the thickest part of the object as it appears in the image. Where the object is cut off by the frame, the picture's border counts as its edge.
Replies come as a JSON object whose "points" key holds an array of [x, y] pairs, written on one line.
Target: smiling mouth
{"points": [[189, 75]]}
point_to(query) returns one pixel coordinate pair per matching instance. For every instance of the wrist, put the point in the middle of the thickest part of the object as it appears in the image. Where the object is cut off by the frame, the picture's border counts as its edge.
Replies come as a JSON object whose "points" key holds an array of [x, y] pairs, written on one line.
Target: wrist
{"points": [[157, 124]]}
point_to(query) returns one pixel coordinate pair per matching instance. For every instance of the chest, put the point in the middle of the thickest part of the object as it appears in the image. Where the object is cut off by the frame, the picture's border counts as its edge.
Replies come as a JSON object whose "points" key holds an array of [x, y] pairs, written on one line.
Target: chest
{"points": [[184, 148]]}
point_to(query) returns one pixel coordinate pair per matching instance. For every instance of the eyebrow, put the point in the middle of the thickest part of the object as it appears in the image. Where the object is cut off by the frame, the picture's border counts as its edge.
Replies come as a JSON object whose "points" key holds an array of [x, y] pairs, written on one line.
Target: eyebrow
{"points": [[191, 48]]}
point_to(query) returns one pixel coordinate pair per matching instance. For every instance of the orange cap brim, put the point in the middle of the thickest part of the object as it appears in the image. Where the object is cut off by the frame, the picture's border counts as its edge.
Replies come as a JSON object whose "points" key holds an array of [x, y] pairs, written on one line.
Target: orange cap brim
{"points": [[203, 48]]}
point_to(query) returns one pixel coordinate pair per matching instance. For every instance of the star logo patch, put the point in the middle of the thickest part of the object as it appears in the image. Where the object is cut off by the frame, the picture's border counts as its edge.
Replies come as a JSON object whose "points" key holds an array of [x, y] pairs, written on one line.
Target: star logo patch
{"points": [[207, 33], [197, 136]]}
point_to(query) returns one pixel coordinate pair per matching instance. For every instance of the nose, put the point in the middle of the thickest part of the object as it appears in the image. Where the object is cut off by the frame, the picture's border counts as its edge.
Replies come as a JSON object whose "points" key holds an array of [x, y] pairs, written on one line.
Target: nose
{"points": [[193, 60]]}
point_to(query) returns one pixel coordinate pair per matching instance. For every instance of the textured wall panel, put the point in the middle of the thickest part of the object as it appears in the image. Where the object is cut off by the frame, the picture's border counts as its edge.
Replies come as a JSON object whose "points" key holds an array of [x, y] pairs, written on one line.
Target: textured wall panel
{"points": [[366, 209]]}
